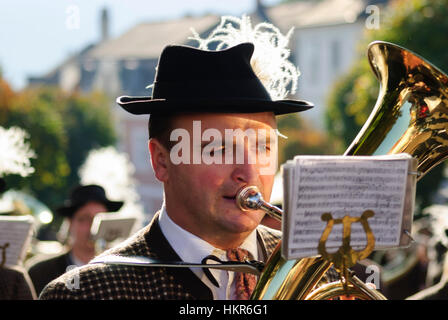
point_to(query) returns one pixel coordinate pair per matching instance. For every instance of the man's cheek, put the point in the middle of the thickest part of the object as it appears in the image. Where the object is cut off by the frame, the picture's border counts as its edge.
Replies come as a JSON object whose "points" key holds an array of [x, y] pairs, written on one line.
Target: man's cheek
{"points": [[268, 164], [206, 177]]}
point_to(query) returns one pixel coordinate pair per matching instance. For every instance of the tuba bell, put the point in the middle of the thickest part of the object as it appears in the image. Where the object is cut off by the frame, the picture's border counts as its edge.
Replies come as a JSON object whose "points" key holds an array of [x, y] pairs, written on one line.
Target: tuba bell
{"points": [[410, 116]]}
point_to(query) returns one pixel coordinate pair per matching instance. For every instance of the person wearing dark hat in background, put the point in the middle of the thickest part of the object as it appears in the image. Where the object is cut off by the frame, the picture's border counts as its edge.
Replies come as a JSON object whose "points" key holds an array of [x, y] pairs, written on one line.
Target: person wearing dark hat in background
{"points": [[84, 204], [194, 91]]}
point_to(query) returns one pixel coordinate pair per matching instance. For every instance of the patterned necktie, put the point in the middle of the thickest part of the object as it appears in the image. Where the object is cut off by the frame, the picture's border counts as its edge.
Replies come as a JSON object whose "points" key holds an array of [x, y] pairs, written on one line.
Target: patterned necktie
{"points": [[244, 282]]}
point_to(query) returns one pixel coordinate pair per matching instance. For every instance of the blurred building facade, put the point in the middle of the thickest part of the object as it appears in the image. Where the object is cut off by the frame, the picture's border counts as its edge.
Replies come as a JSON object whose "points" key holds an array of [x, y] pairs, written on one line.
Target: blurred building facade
{"points": [[324, 43], [323, 47]]}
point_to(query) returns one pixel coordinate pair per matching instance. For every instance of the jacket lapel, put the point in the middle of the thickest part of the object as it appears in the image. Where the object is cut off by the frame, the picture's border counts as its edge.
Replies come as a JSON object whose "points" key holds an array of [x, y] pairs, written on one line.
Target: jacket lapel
{"points": [[159, 246]]}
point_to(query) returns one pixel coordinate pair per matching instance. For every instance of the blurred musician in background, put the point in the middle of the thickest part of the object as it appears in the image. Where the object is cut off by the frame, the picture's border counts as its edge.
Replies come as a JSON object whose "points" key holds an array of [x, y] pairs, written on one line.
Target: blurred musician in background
{"points": [[15, 283], [84, 204], [15, 155]]}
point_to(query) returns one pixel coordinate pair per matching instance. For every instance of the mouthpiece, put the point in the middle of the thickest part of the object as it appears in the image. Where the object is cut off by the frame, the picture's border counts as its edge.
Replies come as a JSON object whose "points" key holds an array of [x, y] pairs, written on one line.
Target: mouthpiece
{"points": [[250, 198]]}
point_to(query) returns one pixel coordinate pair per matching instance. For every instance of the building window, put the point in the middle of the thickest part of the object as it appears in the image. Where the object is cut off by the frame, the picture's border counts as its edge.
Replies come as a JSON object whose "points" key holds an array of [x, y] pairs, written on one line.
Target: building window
{"points": [[314, 58], [335, 56], [139, 152]]}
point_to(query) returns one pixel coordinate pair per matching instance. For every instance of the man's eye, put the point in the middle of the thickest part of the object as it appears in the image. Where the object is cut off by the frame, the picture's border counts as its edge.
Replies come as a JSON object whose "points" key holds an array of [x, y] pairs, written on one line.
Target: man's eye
{"points": [[264, 147], [217, 150]]}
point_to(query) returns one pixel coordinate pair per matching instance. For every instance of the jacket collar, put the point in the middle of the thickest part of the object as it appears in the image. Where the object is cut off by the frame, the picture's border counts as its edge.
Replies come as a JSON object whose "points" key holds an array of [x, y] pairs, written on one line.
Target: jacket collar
{"points": [[159, 246]]}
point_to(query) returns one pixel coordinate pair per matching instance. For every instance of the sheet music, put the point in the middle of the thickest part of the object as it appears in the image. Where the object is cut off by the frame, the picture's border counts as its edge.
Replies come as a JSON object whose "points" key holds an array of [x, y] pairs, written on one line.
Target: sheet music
{"points": [[344, 186], [15, 233], [111, 226]]}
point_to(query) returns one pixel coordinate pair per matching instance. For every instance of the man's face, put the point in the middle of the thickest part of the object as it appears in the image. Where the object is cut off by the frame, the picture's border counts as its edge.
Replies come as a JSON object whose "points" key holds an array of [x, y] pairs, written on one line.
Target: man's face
{"points": [[200, 193], [81, 222]]}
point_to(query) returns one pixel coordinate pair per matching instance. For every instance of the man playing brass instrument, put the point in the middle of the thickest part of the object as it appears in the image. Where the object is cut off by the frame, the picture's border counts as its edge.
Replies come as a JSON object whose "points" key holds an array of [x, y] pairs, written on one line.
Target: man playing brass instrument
{"points": [[212, 131]]}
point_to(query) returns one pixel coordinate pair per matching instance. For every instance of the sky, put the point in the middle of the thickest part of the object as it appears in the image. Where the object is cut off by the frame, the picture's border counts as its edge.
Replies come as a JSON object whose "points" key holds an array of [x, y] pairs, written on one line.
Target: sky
{"points": [[37, 35]]}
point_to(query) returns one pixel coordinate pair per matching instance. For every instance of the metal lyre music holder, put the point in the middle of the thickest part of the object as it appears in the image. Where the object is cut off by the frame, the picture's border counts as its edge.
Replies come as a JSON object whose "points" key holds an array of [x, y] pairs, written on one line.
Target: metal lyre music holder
{"points": [[346, 256]]}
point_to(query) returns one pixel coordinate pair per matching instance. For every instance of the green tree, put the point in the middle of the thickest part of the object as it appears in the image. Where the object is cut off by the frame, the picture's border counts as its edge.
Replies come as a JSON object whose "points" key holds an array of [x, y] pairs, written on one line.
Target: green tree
{"points": [[303, 139], [6, 98], [89, 126], [63, 128], [418, 25]]}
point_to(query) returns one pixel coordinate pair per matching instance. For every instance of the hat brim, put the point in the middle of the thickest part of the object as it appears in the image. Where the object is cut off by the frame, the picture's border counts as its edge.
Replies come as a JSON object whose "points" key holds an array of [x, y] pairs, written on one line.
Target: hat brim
{"points": [[2, 185], [69, 210], [147, 105]]}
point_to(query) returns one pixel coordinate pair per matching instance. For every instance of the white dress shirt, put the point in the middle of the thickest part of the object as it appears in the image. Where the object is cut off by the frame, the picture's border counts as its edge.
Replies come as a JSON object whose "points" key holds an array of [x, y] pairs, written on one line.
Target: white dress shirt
{"points": [[191, 248]]}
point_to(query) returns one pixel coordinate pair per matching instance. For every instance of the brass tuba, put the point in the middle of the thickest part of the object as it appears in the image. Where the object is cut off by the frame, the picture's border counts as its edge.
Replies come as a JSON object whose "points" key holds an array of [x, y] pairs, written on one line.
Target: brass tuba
{"points": [[410, 116]]}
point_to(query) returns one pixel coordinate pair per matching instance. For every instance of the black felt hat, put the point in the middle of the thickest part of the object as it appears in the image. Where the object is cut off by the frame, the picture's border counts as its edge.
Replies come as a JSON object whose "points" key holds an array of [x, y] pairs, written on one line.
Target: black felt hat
{"points": [[84, 194], [2, 185], [193, 80]]}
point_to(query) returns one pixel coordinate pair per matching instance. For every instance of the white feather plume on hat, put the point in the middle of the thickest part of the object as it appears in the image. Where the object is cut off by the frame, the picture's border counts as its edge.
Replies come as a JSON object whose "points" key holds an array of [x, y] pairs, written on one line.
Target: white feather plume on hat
{"points": [[270, 59], [15, 152]]}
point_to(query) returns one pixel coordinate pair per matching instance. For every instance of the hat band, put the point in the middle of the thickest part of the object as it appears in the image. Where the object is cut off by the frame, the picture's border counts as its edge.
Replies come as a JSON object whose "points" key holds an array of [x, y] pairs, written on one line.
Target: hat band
{"points": [[211, 89]]}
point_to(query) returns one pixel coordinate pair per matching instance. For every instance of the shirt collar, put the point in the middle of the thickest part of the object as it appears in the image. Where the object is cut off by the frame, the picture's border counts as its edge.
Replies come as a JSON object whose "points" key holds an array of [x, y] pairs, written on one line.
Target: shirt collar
{"points": [[191, 248]]}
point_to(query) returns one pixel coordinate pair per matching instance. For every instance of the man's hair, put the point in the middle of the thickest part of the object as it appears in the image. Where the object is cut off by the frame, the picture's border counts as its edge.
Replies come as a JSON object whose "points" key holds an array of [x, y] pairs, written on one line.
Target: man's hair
{"points": [[159, 127]]}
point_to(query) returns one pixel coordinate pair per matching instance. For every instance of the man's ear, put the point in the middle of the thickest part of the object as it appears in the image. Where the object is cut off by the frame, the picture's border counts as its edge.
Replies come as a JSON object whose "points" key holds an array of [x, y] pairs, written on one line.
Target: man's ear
{"points": [[159, 159]]}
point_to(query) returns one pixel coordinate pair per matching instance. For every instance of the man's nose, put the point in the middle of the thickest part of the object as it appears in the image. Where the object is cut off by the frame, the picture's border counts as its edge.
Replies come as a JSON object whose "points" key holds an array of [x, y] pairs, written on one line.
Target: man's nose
{"points": [[246, 173]]}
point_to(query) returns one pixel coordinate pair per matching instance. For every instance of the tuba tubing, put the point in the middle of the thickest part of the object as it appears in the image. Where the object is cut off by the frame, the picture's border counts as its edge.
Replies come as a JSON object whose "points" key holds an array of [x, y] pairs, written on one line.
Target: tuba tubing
{"points": [[410, 116]]}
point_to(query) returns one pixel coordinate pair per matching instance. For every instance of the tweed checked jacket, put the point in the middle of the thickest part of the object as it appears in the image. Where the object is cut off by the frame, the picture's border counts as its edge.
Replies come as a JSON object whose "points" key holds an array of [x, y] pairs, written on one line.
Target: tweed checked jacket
{"points": [[107, 282]]}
